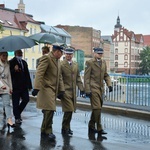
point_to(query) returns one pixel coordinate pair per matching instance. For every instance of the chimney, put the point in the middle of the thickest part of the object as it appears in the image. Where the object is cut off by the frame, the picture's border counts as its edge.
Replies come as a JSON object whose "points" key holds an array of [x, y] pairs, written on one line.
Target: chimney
{"points": [[17, 10], [2, 5]]}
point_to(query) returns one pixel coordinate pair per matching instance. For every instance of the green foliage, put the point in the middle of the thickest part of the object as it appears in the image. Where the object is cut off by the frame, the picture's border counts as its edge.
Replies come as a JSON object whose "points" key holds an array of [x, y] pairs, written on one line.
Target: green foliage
{"points": [[1, 28], [145, 61]]}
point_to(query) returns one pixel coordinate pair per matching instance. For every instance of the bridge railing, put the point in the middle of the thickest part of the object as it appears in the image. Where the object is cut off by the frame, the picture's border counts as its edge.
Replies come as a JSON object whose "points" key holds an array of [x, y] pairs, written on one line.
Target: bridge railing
{"points": [[129, 89]]}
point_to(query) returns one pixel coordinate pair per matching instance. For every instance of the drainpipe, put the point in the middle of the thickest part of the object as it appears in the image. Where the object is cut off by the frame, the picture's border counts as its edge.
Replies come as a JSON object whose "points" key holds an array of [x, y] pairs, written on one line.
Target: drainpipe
{"points": [[24, 49], [130, 58]]}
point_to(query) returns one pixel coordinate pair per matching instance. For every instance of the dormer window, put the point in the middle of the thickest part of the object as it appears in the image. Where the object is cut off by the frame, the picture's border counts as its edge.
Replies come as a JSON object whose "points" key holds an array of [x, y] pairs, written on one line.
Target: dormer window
{"points": [[1, 21], [9, 22]]}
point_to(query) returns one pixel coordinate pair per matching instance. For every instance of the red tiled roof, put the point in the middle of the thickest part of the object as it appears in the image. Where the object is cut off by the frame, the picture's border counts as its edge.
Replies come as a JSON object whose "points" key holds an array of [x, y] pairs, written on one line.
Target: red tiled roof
{"points": [[138, 37], [146, 40], [129, 34], [17, 19]]}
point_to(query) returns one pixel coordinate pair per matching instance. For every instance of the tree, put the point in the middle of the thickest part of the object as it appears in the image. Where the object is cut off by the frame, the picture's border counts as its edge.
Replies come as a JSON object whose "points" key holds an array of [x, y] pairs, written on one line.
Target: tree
{"points": [[145, 61], [1, 28]]}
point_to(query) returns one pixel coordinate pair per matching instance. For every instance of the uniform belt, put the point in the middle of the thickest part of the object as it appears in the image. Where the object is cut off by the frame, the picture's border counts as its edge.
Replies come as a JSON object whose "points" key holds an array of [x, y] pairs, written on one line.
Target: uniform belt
{"points": [[70, 89]]}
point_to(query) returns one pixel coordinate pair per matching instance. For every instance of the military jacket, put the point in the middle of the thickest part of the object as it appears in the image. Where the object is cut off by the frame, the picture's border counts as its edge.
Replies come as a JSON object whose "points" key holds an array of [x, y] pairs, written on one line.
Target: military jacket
{"points": [[71, 79], [94, 77], [48, 81]]}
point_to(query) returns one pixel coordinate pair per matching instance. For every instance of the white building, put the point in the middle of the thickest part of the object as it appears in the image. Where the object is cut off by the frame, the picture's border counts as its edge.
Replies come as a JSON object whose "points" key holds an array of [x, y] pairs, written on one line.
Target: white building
{"points": [[127, 46]]}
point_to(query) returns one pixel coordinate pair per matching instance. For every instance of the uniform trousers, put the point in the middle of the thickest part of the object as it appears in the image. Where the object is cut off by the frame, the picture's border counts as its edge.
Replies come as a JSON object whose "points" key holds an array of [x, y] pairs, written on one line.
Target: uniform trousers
{"points": [[47, 122], [66, 120], [95, 120]]}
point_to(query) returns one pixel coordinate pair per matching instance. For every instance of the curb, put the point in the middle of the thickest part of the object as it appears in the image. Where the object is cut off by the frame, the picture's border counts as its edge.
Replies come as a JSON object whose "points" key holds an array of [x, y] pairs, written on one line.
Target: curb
{"points": [[128, 112]]}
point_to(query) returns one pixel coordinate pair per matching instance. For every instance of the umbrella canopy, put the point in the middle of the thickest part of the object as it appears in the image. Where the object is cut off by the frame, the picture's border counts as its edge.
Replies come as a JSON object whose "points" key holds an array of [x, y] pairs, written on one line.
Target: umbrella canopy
{"points": [[47, 38], [15, 42]]}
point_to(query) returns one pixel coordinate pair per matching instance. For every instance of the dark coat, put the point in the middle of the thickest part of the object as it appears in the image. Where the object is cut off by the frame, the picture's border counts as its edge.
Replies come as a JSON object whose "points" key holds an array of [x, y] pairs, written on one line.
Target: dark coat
{"points": [[21, 79]]}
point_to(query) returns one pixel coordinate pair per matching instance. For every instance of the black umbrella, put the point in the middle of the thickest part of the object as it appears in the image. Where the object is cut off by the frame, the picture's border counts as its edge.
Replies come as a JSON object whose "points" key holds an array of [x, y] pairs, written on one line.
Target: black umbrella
{"points": [[15, 42], [47, 38]]}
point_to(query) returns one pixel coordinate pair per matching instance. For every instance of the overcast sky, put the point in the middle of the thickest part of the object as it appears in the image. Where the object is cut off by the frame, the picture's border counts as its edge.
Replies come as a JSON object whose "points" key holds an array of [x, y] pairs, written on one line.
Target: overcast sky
{"points": [[99, 14]]}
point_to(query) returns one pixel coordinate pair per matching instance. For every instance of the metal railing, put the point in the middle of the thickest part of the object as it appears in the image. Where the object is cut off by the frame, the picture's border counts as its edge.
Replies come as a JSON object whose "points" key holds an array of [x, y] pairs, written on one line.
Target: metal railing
{"points": [[129, 89], [32, 75]]}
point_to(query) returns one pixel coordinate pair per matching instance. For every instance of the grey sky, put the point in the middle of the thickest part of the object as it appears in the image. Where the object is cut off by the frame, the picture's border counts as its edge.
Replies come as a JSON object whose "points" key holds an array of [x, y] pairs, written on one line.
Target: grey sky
{"points": [[99, 14]]}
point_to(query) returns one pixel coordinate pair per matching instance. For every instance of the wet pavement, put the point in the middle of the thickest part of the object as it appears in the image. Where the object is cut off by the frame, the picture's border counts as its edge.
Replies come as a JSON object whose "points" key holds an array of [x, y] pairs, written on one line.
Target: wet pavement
{"points": [[124, 133]]}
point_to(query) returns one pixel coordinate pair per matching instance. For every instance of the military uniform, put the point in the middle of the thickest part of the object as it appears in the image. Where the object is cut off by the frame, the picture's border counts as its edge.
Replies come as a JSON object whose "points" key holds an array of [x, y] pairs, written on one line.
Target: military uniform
{"points": [[71, 79], [94, 77], [48, 81]]}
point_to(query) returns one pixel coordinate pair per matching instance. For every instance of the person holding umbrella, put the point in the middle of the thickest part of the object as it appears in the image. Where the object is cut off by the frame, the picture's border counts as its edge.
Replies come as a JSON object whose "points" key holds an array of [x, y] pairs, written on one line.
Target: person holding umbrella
{"points": [[21, 83], [6, 87], [13, 43], [48, 85]]}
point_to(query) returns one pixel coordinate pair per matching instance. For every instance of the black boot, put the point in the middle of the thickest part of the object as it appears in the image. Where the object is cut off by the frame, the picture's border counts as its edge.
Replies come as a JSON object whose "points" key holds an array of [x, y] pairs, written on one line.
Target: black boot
{"points": [[101, 132], [91, 130], [51, 136], [68, 132], [91, 134], [100, 137]]}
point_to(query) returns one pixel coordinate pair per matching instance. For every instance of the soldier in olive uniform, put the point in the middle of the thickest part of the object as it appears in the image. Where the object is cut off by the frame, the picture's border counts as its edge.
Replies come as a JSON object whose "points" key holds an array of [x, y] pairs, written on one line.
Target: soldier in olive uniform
{"points": [[94, 77], [48, 81], [45, 50], [71, 79]]}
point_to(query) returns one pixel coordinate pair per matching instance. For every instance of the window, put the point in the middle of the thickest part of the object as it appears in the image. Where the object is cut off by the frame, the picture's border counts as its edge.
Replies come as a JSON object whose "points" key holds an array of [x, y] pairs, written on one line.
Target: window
{"points": [[116, 64], [33, 49], [125, 57], [9, 22], [126, 50], [132, 64], [32, 63], [126, 43], [125, 64], [136, 64], [34, 31], [30, 30], [116, 43], [26, 59], [39, 48], [21, 33], [132, 57], [116, 50], [1, 21], [139, 51], [116, 57], [121, 34], [26, 50]]}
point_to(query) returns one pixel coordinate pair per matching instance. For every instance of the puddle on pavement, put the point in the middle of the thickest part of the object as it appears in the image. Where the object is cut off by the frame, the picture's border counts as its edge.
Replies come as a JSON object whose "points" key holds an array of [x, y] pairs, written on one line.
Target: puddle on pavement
{"points": [[119, 128]]}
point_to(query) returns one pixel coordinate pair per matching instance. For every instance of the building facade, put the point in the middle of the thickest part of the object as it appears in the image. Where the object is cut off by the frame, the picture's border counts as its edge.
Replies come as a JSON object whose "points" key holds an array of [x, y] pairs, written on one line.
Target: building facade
{"points": [[108, 53], [127, 46], [83, 38], [17, 22]]}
